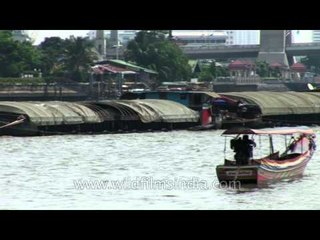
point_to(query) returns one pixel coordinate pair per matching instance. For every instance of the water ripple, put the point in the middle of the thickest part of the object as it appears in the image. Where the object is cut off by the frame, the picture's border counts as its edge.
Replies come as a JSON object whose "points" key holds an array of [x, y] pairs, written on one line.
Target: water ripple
{"points": [[42, 172]]}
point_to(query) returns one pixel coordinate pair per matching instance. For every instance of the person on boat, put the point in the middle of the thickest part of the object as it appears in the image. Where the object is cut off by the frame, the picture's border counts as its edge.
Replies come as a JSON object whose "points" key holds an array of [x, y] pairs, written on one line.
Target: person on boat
{"points": [[241, 108], [237, 146], [292, 145], [312, 144], [248, 146]]}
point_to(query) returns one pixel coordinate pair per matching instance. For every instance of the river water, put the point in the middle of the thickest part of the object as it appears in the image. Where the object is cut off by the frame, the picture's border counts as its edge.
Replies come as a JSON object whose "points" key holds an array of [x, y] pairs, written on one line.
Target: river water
{"points": [[166, 170]]}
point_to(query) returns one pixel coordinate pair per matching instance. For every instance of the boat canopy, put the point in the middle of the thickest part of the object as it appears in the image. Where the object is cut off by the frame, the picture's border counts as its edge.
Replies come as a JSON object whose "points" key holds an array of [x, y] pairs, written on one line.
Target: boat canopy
{"points": [[212, 94], [58, 113], [156, 110], [281, 103], [270, 131], [52, 113]]}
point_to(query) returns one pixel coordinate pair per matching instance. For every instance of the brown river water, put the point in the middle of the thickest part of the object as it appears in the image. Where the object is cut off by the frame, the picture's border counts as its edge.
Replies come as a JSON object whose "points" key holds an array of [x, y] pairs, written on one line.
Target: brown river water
{"points": [[163, 170]]}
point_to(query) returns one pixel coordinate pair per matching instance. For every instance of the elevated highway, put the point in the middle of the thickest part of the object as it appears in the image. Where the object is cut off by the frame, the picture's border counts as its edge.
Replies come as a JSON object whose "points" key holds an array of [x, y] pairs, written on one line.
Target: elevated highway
{"points": [[235, 51]]}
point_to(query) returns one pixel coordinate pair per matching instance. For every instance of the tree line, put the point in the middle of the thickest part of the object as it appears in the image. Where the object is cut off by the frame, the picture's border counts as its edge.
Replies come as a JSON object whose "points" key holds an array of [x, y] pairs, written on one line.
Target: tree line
{"points": [[71, 58]]}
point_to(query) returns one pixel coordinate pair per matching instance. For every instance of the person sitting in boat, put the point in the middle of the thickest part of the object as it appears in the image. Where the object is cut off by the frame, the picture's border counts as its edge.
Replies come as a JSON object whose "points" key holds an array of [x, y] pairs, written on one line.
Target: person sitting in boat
{"points": [[292, 145], [248, 146]]}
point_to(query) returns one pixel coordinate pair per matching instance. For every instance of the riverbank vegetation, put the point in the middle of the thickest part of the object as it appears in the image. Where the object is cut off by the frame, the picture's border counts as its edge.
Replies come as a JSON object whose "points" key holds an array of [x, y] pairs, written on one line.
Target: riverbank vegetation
{"points": [[54, 57], [154, 50]]}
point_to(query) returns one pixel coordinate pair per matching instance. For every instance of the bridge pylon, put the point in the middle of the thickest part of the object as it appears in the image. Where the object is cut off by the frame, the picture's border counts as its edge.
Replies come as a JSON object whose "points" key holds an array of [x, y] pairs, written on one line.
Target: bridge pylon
{"points": [[273, 46]]}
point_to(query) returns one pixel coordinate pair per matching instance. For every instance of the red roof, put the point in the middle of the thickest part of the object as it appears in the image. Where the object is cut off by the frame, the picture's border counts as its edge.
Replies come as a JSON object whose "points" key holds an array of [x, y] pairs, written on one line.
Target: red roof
{"points": [[240, 64], [276, 65], [298, 67]]}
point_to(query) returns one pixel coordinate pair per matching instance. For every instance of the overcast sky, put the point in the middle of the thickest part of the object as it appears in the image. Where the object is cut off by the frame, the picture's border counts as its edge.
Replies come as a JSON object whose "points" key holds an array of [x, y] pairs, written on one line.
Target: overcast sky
{"points": [[40, 35]]}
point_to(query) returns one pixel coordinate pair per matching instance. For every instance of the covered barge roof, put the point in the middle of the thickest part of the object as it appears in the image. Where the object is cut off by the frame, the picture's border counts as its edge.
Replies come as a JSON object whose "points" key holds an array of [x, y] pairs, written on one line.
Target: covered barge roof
{"points": [[67, 113], [52, 113], [155, 110], [281, 103]]}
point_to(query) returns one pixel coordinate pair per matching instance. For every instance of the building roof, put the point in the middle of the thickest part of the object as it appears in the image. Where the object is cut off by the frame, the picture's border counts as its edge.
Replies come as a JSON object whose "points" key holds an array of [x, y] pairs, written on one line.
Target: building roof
{"points": [[240, 64], [131, 66], [276, 65], [195, 66], [298, 67]]}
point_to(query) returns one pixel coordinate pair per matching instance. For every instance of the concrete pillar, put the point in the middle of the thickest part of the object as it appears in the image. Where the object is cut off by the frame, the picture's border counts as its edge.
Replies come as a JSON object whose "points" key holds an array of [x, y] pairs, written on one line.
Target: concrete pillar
{"points": [[272, 47], [114, 37], [100, 43]]}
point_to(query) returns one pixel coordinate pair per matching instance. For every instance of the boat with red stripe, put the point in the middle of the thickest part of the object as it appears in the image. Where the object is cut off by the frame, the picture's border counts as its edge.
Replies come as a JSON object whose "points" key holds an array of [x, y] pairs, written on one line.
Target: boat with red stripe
{"points": [[247, 168]]}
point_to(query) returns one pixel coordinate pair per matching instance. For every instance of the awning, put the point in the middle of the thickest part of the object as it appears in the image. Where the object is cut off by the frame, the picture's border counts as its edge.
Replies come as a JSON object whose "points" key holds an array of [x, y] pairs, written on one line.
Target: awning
{"points": [[270, 131], [280, 103], [52, 113], [155, 110], [212, 94]]}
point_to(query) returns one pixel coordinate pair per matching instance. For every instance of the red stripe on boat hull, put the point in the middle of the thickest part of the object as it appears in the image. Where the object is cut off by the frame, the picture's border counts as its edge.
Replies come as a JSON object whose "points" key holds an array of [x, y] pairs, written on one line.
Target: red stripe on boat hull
{"points": [[258, 173]]}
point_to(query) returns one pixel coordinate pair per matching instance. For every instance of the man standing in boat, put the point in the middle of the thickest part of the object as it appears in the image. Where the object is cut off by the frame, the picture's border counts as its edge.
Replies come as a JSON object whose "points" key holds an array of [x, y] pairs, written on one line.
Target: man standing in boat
{"points": [[248, 146], [237, 146], [243, 149]]}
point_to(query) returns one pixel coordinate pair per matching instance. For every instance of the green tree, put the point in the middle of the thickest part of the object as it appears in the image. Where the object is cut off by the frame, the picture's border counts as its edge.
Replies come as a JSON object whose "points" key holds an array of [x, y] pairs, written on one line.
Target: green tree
{"points": [[71, 57], [78, 57], [53, 51], [16, 57], [218, 70], [205, 76], [275, 72], [153, 49], [222, 71], [212, 71], [262, 69]]}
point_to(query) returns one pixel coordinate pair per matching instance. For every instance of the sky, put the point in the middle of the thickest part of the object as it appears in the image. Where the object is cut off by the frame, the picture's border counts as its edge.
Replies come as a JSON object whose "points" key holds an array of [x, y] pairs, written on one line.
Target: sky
{"points": [[303, 36], [39, 35]]}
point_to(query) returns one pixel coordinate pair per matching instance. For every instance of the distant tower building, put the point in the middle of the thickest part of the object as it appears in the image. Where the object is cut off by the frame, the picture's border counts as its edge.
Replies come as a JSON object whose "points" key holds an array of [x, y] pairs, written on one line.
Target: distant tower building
{"points": [[20, 35], [114, 37], [100, 42], [289, 37], [230, 36], [126, 35], [242, 37], [316, 35]]}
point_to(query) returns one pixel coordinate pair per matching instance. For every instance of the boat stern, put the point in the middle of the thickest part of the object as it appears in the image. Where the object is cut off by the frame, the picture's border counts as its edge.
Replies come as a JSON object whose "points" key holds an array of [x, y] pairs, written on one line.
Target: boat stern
{"points": [[242, 174]]}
